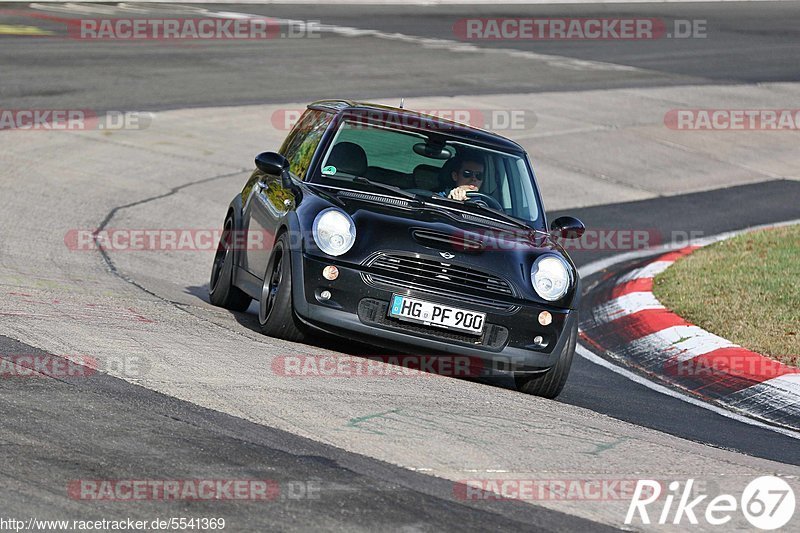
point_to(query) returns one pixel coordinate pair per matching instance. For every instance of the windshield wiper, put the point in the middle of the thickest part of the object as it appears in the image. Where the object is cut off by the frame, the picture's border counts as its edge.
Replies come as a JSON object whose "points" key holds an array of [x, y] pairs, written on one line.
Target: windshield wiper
{"points": [[504, 217], [391, 188]]}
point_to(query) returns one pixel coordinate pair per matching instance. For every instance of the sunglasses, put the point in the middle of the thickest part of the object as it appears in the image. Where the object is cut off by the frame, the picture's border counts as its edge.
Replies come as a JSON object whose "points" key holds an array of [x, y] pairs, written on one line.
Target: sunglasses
{"points": [[472, 174]]}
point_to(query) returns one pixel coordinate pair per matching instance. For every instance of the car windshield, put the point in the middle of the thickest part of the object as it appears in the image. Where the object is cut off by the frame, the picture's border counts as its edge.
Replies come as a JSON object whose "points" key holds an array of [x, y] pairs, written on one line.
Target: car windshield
{"points": [[432, 165]]}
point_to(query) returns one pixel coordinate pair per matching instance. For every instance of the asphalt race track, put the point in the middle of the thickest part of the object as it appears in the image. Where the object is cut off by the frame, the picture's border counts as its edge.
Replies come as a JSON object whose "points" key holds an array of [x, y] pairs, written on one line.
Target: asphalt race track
{"points": [[188, 390]]}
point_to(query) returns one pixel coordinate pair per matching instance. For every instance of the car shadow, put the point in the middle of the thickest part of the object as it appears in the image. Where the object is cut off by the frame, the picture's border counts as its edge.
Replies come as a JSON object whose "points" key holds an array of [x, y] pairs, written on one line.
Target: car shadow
{"points": [[347, 346]]}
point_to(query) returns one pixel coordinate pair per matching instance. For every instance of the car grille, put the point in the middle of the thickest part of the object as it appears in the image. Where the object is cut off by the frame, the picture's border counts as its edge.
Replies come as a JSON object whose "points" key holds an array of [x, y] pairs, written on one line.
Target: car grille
{"points": [[438, 274], [374, 312]]}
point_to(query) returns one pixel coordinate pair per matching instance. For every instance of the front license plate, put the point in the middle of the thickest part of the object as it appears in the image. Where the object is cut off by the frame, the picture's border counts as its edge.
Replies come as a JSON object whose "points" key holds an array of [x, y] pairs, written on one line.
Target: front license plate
{"points": [[431, 314]]}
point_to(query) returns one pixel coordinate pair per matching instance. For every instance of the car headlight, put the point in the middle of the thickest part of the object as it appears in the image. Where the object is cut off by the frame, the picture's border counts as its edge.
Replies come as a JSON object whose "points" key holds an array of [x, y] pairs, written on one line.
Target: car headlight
{"points": [[334, 231], [551, 277]]}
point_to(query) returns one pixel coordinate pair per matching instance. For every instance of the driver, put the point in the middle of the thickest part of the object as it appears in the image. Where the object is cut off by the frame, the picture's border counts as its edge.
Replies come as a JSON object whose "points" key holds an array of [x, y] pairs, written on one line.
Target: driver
{"points": [[467, 176]]}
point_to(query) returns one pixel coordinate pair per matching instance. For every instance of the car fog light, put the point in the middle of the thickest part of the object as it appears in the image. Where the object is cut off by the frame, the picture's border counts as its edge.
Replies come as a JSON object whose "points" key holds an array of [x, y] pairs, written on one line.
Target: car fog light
{"points": [[538, 339], [325, 295], [545, 318], [330, 272]]}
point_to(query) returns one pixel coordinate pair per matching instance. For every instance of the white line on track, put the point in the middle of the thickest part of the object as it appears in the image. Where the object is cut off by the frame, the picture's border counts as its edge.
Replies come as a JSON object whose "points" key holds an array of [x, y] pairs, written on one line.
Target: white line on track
{"points": [[596, 359], [450, 45], [597, 266]]}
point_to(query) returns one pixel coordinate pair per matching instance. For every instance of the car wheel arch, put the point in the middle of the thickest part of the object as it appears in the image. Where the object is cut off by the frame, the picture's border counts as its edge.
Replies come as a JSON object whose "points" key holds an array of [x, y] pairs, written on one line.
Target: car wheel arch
{"points": [[235, 212], [291, 225]]}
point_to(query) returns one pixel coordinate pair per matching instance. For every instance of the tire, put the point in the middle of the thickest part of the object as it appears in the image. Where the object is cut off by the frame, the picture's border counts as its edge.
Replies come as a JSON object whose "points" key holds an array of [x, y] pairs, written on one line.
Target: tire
{"points": [[221, 291], [275, 309], [550, 383]]}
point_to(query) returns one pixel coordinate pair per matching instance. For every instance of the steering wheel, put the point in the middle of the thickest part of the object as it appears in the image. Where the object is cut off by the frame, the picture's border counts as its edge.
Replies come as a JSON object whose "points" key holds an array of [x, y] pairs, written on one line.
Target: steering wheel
{"points": [[485, 199]]}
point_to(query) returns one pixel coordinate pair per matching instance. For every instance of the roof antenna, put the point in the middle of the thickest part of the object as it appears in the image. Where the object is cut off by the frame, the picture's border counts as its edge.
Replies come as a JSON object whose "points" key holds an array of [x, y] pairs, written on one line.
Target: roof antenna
{"points": [[401, 102]]}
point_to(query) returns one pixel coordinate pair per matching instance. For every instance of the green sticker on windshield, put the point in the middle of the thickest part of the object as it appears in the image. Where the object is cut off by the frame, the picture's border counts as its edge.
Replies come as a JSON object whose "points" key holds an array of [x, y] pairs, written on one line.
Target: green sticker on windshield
{"points": [[330, 169]]}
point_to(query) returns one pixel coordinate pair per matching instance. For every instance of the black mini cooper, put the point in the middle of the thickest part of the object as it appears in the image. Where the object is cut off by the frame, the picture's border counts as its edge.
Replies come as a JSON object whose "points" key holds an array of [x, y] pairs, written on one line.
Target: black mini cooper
{"points": [[406, 231]]}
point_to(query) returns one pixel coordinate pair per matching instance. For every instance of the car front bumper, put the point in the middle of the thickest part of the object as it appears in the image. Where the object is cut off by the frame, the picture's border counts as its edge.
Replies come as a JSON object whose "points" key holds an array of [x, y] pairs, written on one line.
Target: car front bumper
{"points": [[357, 308]]}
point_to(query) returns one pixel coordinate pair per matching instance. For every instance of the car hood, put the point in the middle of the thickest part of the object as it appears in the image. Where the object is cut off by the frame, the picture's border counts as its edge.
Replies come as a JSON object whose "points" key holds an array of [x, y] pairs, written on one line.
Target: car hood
{"points": [[450, 237]]}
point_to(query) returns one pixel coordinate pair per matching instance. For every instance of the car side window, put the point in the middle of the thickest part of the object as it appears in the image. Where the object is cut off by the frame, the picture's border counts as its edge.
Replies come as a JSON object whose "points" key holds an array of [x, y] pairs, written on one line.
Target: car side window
{"points": [[303, 140]]}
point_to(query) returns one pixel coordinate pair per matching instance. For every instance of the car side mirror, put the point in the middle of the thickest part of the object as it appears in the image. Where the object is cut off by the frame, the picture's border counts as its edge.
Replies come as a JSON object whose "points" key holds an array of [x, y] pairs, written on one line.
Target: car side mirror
{"points": [[568, 227], [272, 164]]}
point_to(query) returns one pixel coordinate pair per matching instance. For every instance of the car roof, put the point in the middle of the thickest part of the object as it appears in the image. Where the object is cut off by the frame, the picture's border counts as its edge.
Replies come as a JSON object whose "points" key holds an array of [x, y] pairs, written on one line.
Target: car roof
{"points": [[425, 122]]}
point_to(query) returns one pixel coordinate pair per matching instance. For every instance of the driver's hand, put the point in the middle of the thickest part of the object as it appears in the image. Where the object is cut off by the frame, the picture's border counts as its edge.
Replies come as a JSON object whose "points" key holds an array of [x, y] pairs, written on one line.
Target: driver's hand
{"points": [[460, 193]]}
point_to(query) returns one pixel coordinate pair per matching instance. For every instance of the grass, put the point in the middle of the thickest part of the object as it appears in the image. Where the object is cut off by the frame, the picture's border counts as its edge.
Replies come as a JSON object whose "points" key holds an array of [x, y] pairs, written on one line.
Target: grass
{"points": [[745, 289]]}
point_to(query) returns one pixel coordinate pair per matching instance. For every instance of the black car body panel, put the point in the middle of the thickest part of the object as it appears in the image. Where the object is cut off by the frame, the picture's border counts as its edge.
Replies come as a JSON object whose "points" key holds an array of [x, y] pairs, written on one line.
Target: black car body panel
{"points": [[431, 250]]}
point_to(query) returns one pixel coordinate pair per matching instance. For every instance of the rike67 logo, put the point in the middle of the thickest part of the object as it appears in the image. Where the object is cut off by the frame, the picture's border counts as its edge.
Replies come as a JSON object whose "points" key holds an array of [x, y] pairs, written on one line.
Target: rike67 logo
{"points": [[767, 503]]}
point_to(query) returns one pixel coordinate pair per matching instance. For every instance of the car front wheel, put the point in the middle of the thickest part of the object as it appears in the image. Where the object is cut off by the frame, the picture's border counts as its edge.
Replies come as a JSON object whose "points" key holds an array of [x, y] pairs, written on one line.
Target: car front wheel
{"points": [[550, 383], [275, 310]]}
